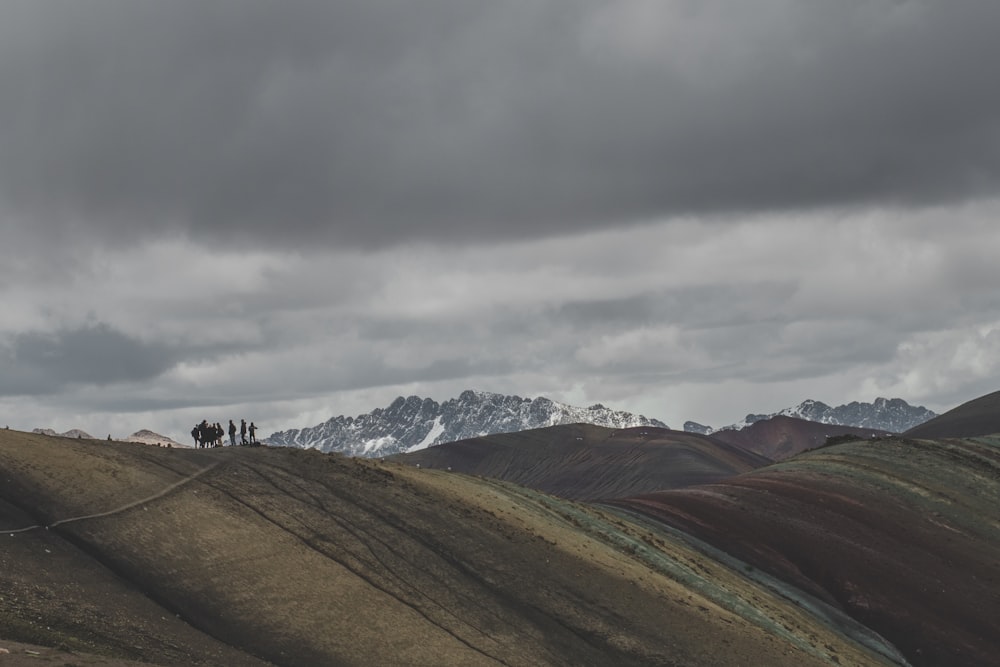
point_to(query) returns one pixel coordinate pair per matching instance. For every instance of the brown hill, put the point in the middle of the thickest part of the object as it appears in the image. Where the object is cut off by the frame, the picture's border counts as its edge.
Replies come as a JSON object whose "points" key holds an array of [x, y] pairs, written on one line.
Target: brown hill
{"points": [[781, 437], [980, 416], [902, 534], [249, 556], [586, 462], [147, 437], [72, 433]]}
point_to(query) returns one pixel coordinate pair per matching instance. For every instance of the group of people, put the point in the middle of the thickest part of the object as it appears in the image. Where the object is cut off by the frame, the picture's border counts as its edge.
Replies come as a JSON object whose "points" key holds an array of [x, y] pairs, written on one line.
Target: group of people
{"points": [[211, 435]]}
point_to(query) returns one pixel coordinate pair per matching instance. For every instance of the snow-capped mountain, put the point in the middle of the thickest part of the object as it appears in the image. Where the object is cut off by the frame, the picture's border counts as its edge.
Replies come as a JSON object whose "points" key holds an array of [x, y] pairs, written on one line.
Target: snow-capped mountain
{"points": [[884, 414], [412, 423]]}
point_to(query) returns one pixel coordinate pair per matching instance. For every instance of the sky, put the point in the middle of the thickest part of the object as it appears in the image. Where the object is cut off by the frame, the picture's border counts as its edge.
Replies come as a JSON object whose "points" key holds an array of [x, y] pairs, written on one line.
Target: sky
{"points": [[692, 210]]}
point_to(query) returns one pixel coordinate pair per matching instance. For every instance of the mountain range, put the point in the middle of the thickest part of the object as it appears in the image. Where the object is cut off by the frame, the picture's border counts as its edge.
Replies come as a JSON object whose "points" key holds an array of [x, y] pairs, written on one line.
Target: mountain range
{"points": [[884, 414], [413, 423]]}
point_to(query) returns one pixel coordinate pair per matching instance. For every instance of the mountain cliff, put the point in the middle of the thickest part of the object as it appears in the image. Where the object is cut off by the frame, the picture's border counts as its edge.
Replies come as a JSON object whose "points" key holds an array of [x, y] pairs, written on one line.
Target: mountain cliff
{"points": [[413, 423]]}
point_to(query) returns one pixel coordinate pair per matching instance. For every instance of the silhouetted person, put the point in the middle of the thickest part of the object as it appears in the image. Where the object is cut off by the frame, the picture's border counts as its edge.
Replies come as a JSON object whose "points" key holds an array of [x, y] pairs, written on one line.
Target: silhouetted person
{"points": [[253, 434], [232, 433], [195, 434], [243, 432], [204, 434]]}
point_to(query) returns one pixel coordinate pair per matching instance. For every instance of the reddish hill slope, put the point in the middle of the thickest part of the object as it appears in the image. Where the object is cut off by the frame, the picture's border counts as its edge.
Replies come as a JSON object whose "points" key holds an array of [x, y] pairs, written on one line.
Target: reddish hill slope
{"points": [[902, 534], [585, 462]]}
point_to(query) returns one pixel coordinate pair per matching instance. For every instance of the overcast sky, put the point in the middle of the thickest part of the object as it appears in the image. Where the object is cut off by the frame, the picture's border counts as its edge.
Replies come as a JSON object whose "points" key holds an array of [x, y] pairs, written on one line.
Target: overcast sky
{"points": [[287, 211]]}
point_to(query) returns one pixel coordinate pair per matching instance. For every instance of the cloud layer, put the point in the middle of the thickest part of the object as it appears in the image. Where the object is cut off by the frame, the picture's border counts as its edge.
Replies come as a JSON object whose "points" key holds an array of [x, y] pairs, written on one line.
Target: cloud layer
{"points": [[682, 320], [375, 123]]}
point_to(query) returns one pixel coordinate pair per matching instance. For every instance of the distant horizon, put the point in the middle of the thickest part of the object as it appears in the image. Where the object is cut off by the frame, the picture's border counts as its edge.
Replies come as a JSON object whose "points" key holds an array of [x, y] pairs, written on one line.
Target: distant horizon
{"points": [[678, 426]]}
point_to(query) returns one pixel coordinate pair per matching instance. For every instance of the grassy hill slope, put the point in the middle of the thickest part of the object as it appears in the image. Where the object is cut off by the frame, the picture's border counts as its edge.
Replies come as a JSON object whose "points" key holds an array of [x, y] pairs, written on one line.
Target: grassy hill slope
{"points": [[243, 556]]}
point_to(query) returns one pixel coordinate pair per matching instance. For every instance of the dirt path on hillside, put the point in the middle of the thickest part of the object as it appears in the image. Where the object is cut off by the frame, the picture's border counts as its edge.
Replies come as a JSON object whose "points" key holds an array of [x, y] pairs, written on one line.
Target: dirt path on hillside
{"points": [[122, 508], [17, 654]]}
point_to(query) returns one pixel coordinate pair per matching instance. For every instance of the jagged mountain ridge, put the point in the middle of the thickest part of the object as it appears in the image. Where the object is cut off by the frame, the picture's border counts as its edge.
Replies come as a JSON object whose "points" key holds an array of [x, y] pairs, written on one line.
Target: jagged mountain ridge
{"points": [[412, 423], [884, 414]]}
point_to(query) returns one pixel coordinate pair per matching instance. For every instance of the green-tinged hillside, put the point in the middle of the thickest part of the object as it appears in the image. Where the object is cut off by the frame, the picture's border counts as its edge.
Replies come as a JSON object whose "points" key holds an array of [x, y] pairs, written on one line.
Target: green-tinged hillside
{"points": [[249, 556]]}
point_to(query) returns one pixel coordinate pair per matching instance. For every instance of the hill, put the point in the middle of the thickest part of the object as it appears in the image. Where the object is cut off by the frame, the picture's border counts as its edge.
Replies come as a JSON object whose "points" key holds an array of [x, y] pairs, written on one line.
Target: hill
{"points": [[980, 416], [585, 462], [252, 556], [147, 437], [899, 533], [72, 433], [780, 437]]}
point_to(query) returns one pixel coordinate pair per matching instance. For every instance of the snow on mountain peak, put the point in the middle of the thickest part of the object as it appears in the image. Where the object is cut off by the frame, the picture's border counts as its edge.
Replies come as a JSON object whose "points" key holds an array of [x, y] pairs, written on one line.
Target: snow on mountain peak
{"points": [[412, 423], [894, 415]]}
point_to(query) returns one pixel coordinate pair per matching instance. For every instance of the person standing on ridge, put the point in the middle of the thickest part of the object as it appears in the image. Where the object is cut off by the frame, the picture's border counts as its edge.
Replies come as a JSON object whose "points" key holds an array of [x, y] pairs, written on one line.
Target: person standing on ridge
{"points": [[243, 432], [253, 434], [232, 433]]}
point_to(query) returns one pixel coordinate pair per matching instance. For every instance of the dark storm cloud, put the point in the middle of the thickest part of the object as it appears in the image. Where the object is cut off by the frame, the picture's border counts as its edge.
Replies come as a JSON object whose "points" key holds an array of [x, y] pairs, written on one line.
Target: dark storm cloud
{"points": [[47, 362], [381, 121], [41, 363]]}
